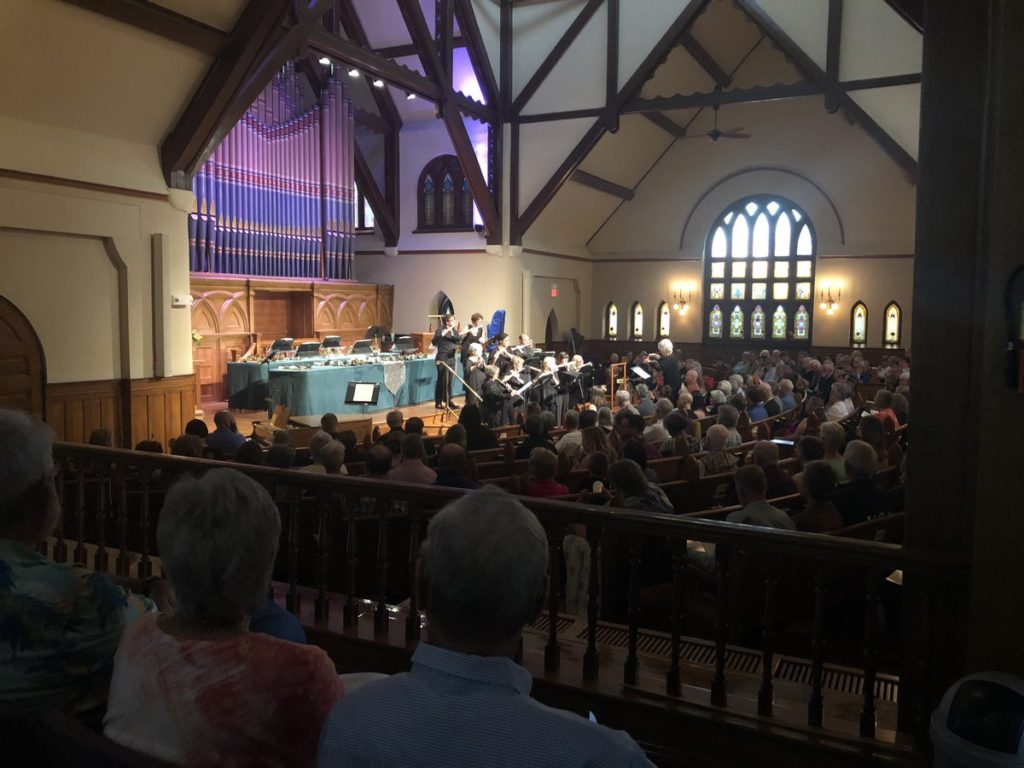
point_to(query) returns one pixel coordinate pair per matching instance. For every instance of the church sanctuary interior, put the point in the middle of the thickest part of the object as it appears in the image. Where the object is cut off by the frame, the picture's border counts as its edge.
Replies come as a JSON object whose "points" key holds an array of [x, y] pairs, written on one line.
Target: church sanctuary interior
{"points": [[313, 311]]}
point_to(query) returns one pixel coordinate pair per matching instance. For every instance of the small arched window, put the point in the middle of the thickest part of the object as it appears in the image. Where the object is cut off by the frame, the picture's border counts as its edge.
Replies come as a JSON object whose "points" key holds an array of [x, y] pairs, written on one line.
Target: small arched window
{"points": [[859, 325], [611, 321], [637, 332], [444, 305], [664, 320], [445, 202], [893, 326]]}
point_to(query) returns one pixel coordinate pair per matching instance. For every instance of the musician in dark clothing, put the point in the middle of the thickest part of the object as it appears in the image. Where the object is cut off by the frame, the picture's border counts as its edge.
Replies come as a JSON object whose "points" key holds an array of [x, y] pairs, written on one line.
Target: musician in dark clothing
{"points": [[446, 339], [475, 333], [502, 356], [473, 372], [669, 365], [478, 437], [495, 398], [545, 391]]}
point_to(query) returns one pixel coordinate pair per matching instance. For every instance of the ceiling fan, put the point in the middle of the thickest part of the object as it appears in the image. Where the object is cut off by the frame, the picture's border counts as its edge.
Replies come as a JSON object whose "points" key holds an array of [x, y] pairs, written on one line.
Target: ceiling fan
{"points": [[714, 134]]}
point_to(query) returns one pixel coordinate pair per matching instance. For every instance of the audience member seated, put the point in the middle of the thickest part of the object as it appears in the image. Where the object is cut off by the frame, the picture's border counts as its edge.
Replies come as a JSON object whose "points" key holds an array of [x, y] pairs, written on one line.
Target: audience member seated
{"points": [[188, 445], [102, 437], [765, 455], [755, 404], [840, 404], [149, 446], [394, 423], [716, 399], [634, 450], [627, 479], [833, 435], [414, 426], [543, 467], [569, 443], [316, 445], [729, 417], [655, 434], [624, 402], [680, 440], [412, 468], [806, 450], [533, 427], [329, 424], [597, 470], [250, 452], [691, 382], [225, 438], [861, 497], [478, 437], [452, 467], [772, 403], [630, 426], [883, 408], [271, 619], [593, 441], [347, 437], [813, 406], [378, 461], [786, 395], [332, 458], [455, 435], [281, 455], [751, 490], [198, 428], [901, 407], [819, 514], [61, 623], [870, 430], [717, 460], [197, 687], [644, 404], [604, 419], [482, 579]]}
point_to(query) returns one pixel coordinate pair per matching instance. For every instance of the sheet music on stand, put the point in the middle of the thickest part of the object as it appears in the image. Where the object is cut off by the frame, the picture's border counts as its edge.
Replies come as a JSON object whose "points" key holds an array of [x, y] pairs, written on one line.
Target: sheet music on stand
{"points": [[640, 373]]}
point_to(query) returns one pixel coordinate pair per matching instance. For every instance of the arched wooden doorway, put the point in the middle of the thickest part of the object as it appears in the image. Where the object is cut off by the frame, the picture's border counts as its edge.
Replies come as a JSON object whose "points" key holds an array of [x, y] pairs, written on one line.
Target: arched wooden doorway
{"points": [[22, 365]]}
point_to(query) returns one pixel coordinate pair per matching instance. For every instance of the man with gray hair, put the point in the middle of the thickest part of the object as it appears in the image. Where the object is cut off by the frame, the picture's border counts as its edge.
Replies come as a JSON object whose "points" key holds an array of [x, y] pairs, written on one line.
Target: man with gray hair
{"points": [[482, 577], [861, 498], [644, 404], [840, 404], [786, 395], [623, 401], [316, 444], [62, 622]]}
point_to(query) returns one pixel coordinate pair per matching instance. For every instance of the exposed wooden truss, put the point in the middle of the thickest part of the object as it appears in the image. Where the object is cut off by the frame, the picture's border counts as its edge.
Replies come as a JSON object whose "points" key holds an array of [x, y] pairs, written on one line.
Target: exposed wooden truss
{"points": [[706, 61], [602, 185], [161, 21]]}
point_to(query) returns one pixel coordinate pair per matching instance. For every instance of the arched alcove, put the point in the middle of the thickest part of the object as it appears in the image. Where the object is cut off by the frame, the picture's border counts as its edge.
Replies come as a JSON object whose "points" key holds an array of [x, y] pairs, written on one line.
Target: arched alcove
{"points": [[551, 332]]}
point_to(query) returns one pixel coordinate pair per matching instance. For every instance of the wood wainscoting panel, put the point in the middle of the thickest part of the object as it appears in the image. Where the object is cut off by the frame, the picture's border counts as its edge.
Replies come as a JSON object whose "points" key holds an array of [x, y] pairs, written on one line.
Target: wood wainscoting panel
{"points": [[74, 409], [162, 407]]}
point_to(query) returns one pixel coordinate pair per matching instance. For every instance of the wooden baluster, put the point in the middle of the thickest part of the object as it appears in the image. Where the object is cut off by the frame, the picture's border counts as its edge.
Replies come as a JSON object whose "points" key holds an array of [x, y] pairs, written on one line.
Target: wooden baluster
{"points": [[80, 554], [101, 560], [590, 657], [633, 609], [60, 551], [816, 704], [867, 714], [412, 619], [766, 693], [673, 685], [123, 561], [923, 666], [552, 653], [350, 614], [380, 613], [293, 601], [145, 564], [321, 606], [722, 555]]}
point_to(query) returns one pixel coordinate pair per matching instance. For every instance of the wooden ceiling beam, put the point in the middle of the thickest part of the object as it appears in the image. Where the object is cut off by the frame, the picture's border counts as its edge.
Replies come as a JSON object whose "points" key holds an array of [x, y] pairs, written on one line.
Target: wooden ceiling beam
{"points": [[555, 55], [911, 11], [602, 185], [627, 93], [474, 44], [372, 121], [667, 124], [706, 60], [353, 26], [194, 136], [370, 63], [408, 49], [381, 210], [717, 98], [832, 43], [161, 21]]}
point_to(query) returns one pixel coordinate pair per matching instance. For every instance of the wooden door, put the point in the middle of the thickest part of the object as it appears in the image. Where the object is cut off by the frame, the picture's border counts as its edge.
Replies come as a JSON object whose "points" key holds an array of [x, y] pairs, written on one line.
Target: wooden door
{"points": [[22, 365]]}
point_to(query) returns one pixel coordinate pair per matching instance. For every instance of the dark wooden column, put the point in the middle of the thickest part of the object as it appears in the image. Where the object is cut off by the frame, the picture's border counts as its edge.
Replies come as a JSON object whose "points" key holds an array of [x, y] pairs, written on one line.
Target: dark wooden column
{"points": [[964, 467]]}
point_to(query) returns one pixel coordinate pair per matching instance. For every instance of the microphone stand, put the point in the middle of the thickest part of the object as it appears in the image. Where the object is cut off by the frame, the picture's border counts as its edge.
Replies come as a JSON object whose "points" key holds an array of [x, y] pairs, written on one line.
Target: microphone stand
{"points": [[449, 372]]}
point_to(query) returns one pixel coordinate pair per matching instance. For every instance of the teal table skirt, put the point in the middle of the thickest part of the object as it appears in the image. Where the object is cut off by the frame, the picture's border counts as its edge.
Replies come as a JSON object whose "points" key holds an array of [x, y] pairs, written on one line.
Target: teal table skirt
{"points": [[247, 386], [315, 391]]}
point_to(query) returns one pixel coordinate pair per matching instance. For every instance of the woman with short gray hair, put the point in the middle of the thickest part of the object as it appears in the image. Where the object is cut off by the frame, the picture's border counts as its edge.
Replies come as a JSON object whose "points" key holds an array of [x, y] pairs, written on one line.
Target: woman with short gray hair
{"points": [[197, 687]]}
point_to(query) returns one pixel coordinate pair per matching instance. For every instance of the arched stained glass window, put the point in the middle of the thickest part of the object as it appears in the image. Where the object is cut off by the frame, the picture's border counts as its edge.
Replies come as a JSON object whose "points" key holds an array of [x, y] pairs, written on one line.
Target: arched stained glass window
{"points": [[444, 197], [761, 248], [859, 325], [664, 320], [637, 333], [757, 329], [715, 322], [736, 323], [611, 321], [893, 326]]}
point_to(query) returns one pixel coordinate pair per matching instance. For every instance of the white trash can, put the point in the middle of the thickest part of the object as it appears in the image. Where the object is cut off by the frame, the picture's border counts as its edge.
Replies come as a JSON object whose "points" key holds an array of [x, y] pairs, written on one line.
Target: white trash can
{"points": [[980, 723]]}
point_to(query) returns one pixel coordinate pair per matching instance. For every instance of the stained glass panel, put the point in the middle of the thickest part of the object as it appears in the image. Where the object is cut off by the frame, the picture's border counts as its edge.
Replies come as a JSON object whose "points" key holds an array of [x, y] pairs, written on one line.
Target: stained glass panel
{"points": [[780, 291], [719, 244], [738, 292], [736, 323], [759, 270], [638, 322], [779, 323], [803, 242], [740, 236], [773, 207], [715, 322], [761, 242], [803, 291], [613, 321], [751, 209], [802, 323], [739, 270], [892, 325], [718, 290], [718, 269], [803, 269], [428, 201], [664, 319], [783, 235], [758, 291], [757, 323], [447, 201], [781, 270], [859, 330]]}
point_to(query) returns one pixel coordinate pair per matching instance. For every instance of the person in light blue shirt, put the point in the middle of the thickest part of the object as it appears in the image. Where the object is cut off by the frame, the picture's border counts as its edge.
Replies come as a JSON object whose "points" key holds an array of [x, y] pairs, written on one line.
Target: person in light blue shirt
{"points": [[482, 579]]}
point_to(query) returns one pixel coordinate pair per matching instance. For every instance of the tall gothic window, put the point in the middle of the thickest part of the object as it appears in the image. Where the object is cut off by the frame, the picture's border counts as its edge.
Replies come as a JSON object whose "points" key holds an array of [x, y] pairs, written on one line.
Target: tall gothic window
{"points": [[893, 326], [859, 325], [611, 321], [759, 262], [637, 333], [444, 201], [664, 320]]}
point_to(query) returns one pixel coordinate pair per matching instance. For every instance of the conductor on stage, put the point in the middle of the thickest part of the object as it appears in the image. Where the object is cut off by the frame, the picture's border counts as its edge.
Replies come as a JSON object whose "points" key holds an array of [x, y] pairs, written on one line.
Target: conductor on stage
{"points": [[446, 338]]}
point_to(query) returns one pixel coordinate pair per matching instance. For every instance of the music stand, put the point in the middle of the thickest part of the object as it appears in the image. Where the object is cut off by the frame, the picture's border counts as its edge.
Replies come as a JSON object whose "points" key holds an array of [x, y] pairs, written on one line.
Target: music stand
{"points": [[331, 342], [364, 346], [404, 344], [362, 393], [308, 349]]}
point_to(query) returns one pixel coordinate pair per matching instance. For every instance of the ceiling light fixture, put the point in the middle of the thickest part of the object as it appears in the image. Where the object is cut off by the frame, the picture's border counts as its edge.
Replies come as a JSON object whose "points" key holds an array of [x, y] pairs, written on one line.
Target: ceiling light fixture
{"points": [[353, 72], [325, 61], [410, 96], [378, 83]]}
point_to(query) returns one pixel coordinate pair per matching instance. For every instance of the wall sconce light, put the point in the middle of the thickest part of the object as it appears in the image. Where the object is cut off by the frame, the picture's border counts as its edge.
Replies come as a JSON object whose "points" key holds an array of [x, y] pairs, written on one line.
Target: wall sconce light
{"points": [[681, 302], [829, 304]]}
